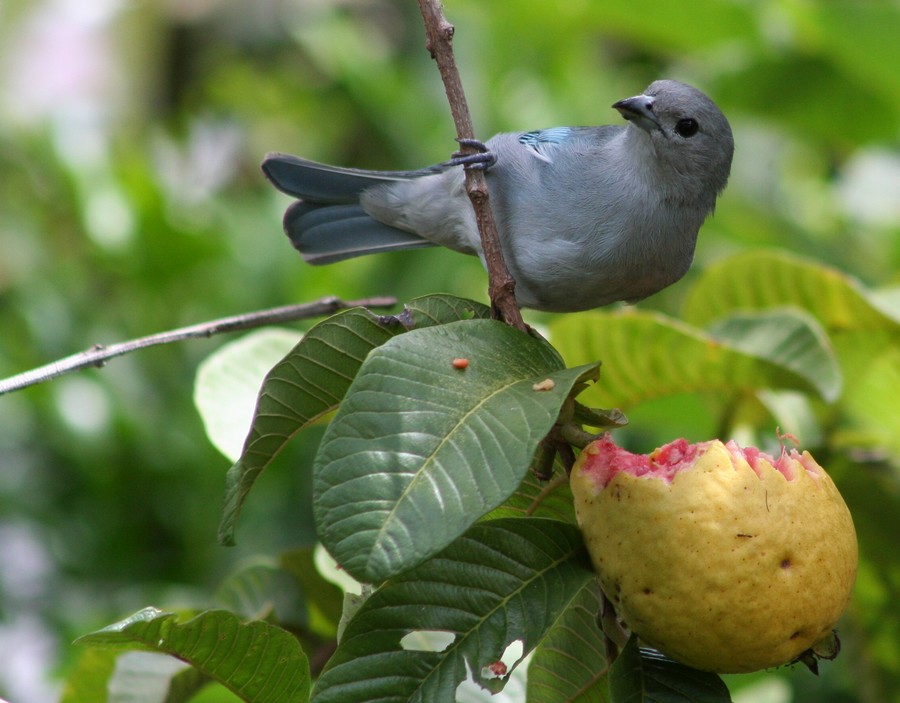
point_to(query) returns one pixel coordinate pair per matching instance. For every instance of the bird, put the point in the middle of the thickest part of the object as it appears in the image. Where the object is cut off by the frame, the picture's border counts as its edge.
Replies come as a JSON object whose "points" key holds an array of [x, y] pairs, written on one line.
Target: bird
{"points": [[586, 216]]}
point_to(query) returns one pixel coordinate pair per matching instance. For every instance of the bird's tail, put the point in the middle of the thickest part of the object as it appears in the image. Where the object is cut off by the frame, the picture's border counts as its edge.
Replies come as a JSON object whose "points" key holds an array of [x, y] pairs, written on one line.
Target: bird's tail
{"points": [[327, 224]]}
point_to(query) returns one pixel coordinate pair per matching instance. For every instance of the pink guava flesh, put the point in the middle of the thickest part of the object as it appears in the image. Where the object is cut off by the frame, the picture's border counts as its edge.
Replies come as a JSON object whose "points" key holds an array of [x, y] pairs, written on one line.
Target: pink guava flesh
{"points": [[604, 460]]}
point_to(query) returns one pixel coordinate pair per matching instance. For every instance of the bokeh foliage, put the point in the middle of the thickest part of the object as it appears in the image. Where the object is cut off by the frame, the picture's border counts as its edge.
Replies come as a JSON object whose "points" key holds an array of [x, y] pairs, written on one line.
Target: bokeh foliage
{"points": [[131, 202]]}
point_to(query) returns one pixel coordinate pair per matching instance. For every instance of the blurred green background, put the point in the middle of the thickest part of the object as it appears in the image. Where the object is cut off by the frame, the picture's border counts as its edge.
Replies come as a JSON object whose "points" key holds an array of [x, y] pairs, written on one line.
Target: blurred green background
{"points": [[131, 202]]}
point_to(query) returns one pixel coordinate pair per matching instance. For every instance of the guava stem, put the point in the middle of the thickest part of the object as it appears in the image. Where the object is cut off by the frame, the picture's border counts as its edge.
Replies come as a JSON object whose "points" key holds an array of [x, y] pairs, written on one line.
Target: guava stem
{"points": [[576, 436], [542, 465], [547, 490], [615, 636]]}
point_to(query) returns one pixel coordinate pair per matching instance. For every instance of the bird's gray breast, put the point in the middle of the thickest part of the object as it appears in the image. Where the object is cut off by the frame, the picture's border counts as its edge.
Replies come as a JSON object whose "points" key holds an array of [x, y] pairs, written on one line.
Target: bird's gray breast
{"points": [[581, 229]]}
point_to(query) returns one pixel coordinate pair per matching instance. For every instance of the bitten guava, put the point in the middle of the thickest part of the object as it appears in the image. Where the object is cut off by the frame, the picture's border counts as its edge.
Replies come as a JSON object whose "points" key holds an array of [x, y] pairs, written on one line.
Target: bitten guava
{"points": [[724, 558]]}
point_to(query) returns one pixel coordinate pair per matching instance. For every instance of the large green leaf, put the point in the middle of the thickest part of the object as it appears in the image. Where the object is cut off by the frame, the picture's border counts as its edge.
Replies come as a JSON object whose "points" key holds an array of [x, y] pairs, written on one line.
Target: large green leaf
{"points": [[109, 676], [259, 662], [645, 676], [762, 280], [871, 405], [421, 449], [647, 355], [862, 325], [790, 338], [227, 384], [311, 380], [504, 581], [289, 591], [569, 666]]}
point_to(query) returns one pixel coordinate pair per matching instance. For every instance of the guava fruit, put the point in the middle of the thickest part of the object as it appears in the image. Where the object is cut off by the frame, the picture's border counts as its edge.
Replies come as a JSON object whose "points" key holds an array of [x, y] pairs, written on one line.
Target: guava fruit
{"points": [[723, 558]]}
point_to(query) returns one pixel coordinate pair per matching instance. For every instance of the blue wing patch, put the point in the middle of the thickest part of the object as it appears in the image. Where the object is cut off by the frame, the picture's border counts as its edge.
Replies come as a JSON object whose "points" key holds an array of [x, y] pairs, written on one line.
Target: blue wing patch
{"points": [[541, 139]]}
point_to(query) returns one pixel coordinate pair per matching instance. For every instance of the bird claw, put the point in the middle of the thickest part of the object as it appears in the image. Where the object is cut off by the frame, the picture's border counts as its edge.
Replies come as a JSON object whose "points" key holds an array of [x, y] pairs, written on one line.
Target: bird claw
{"points": [[482, 160]]}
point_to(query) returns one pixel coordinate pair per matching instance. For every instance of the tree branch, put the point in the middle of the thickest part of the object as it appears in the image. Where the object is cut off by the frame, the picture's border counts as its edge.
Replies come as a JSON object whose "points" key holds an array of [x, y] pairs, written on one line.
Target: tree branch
{"points": [[99, 354], [501, 285]]}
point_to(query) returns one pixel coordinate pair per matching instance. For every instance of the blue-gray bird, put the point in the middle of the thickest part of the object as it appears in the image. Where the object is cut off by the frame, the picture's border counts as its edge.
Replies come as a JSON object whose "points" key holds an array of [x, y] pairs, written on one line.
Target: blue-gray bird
{"points": [[586, 216]]}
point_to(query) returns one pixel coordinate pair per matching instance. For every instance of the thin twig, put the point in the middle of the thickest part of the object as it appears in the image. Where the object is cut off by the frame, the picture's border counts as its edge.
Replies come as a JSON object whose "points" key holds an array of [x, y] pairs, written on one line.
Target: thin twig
{"points": [[546, 490], [99, 354], [501, 286]]}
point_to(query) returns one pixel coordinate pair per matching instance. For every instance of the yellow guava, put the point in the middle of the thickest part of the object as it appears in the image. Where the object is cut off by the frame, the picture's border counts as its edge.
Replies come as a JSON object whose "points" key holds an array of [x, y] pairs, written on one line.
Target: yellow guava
{"points": [[723, 558]]}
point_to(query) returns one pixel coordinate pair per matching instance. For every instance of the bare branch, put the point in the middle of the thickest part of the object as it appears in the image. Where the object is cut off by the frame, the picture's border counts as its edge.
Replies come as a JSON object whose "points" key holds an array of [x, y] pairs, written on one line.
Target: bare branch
{"points": [[99, 354], [501, 286]]}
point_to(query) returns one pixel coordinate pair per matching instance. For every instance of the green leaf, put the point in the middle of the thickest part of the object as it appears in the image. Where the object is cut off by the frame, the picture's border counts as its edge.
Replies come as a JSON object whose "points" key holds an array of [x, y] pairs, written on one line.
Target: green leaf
{"points": [[308, 383], [887, 300], [227, 385], [260, 588], [88, 680], [647, 355], [311, 380], [440, 309], [535, 498], [185, 685], [795, 413], [503, 581], [645, 676], [146, 677], [289, 591], [256, 660], [569, 666], [324, 600], [762, 280], [420, 450], [790, 338], [862, 325], [871, 405]]}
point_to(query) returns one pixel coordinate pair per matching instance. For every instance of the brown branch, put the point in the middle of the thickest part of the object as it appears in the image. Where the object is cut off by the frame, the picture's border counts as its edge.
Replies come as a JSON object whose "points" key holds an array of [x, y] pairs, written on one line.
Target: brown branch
{"points": [[99, 354], [501, 285]]}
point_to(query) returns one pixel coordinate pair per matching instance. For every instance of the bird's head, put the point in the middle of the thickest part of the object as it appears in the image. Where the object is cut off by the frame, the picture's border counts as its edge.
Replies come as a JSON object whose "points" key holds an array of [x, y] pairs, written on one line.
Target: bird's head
{"points": [[690, 136]]}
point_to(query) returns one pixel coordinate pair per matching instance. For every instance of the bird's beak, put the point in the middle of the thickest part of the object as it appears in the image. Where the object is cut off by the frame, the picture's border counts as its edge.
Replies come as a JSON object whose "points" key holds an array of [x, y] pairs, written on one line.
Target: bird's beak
{"points": [[639, 110]]}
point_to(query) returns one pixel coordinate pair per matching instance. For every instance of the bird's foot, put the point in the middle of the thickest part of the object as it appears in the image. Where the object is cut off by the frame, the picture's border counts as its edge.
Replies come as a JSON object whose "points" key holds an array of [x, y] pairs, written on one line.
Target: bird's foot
{"points": [[482, 159]]}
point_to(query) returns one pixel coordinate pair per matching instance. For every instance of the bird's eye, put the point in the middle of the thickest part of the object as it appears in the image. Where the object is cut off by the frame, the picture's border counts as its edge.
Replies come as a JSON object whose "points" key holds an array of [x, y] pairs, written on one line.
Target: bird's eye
{"points": [[687, 127]]}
